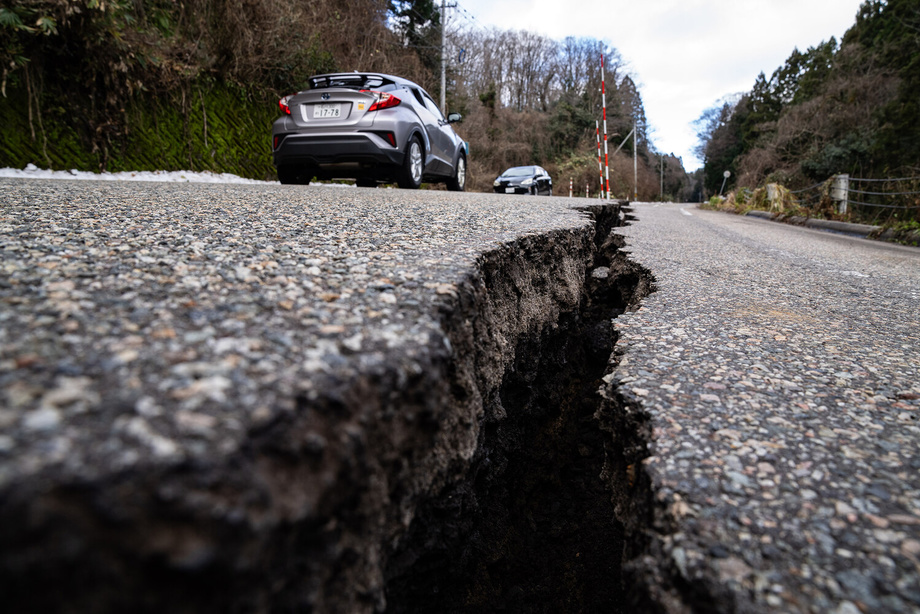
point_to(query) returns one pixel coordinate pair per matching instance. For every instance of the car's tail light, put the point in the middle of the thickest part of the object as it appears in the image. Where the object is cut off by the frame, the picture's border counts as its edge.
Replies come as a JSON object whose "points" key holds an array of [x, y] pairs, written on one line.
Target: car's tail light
{"points": [[383, 101], [283, 104]]}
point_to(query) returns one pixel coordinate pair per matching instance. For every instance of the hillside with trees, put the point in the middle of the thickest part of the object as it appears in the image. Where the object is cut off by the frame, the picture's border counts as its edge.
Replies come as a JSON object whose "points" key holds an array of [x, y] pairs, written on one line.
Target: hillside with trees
{"points": [[851, 107], [194, 84]]}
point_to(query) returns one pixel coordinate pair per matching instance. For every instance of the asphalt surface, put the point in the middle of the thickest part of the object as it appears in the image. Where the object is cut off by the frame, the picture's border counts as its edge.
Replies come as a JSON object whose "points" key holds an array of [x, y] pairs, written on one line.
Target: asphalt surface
{"points": [[139, 318], [235, 397], [781, 369], [152, 325]]}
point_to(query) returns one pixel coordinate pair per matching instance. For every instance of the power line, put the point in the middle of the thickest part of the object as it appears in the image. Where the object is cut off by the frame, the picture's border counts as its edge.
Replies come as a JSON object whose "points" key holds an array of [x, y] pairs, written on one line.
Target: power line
{"points": [[466, 14]]}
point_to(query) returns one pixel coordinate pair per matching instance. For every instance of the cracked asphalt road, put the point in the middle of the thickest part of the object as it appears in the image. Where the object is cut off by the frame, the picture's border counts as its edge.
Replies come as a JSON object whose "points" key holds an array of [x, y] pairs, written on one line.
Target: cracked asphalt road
{"points": [[780, 367]]}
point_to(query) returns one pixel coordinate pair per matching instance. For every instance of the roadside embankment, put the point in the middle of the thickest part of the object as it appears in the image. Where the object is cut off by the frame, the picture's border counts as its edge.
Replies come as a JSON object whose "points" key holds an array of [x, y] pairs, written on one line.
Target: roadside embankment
{"points": [[881, 233]]}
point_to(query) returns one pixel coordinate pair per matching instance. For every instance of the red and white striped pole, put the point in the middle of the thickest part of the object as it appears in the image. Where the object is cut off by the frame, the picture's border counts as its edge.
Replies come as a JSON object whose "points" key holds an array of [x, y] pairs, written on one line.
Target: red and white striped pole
{"points": [[605, 186], [600, 168]]}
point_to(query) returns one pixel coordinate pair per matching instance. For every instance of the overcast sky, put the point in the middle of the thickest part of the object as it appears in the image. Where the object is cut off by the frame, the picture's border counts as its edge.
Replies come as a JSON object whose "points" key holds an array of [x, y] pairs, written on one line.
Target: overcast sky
{"points": [[684, 54]]}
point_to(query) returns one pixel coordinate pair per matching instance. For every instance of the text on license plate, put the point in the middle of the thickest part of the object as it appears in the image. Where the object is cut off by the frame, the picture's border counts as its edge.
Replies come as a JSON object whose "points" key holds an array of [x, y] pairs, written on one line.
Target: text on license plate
{"points": [[327, 110], [509, 190]]}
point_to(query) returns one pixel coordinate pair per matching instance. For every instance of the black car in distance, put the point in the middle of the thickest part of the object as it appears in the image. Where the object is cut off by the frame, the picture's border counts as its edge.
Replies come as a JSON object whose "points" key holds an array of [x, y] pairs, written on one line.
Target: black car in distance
{"points": [[524, 180], [369, 127]]}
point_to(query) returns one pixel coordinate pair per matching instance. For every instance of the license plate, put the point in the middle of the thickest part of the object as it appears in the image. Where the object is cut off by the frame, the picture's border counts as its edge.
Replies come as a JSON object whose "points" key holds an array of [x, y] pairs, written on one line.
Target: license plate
{"points": [[327, 110], [509, 190]]}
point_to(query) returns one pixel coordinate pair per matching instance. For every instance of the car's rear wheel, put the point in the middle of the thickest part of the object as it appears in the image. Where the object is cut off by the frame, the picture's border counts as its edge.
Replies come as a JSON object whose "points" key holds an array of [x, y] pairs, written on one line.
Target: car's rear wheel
{"points": [[457, 183], [410, 175]]}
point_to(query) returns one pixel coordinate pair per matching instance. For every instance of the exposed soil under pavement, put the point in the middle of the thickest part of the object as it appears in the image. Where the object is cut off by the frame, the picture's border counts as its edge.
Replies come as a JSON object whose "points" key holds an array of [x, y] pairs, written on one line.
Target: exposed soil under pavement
{"points": [[534, 527]]}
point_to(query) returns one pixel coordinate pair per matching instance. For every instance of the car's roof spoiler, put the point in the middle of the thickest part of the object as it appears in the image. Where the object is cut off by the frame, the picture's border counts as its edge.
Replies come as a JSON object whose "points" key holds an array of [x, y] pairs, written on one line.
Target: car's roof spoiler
{"points": [[351, 79]]}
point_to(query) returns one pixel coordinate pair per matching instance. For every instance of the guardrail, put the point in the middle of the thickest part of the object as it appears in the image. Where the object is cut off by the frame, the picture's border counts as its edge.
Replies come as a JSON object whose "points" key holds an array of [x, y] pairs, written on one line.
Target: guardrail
{"points": [[848, 195]]}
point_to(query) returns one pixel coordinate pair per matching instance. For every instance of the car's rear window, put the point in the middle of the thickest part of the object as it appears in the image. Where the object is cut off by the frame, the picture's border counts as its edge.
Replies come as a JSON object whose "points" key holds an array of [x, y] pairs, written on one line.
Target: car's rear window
{"points": [[355, 81]]}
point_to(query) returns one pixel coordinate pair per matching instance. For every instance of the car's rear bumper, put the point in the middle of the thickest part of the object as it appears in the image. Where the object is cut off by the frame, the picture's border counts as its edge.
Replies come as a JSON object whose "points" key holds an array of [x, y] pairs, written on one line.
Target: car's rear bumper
{"points": [[329, 150]]}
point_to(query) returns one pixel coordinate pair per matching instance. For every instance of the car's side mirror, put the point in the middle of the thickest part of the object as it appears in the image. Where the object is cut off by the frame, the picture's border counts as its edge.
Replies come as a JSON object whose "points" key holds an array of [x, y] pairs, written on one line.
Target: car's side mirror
{"points": [[453, 118]]}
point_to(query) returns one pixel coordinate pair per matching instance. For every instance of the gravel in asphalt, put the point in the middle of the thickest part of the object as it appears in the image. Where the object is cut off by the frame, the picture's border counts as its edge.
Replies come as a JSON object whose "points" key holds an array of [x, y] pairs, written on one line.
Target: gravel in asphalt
{"points": [[781, 370], [118, 298], [154, 324]]}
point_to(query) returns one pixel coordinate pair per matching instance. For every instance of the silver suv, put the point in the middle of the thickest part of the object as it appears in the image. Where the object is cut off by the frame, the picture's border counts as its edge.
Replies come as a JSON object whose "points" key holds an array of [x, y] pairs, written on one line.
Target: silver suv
{"points": [[369, 127]]}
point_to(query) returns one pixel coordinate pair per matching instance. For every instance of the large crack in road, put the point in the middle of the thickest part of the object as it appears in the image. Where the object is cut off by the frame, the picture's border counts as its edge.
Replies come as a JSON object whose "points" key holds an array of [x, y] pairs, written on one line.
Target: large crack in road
{"points": [[270, 399], [257, 400], [539, 521]]}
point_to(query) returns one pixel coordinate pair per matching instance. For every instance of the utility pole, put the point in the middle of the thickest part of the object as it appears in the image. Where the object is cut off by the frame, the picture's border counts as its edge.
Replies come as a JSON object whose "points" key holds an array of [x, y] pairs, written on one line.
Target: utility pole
{"points": [[600, 168], [444, 57], [444, 7], [636, 161], [605, 185]]}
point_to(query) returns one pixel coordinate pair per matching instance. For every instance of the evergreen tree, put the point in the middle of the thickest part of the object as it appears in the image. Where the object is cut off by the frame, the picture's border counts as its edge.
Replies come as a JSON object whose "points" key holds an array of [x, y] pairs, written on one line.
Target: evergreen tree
{"points": [[419, 22]]}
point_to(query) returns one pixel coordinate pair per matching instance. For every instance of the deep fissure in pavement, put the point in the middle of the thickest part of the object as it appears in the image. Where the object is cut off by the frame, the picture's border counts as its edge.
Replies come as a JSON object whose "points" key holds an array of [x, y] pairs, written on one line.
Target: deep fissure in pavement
{"points": [[468, 464], [533, 527]]}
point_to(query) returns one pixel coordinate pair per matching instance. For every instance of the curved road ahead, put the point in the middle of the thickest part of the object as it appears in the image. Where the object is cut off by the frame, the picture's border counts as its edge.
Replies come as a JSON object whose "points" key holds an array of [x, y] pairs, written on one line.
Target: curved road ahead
{"points": [[781, 369]]}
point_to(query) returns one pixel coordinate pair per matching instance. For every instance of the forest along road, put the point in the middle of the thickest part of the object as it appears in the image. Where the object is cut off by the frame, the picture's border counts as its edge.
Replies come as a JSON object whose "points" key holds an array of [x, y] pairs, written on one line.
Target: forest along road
{"points": [[781, 370]]}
